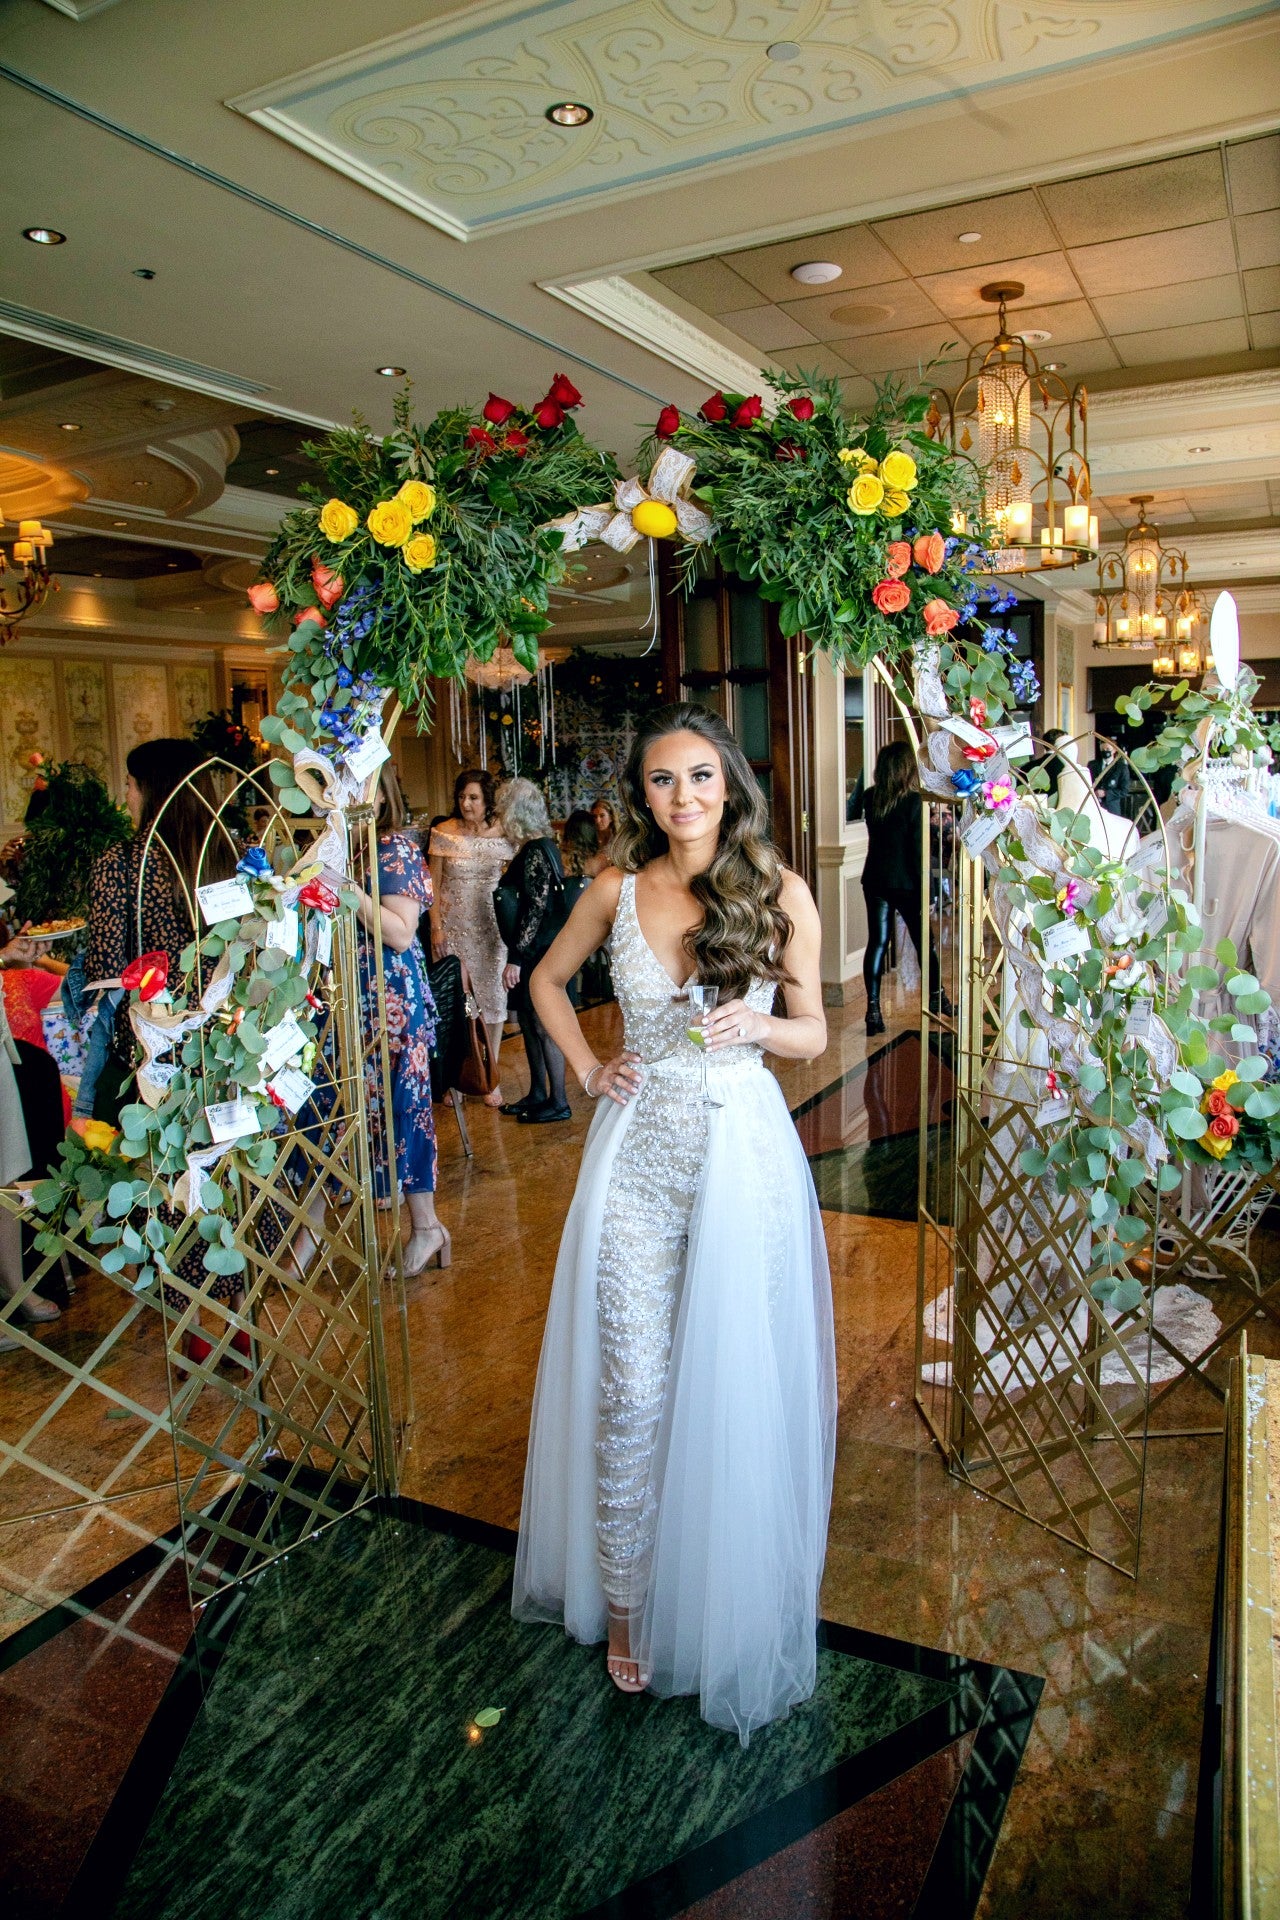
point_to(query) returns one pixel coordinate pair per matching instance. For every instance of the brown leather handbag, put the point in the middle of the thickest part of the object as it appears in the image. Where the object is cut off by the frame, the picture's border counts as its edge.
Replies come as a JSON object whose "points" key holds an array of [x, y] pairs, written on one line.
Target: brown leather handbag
{"points": [[477, 1074]]}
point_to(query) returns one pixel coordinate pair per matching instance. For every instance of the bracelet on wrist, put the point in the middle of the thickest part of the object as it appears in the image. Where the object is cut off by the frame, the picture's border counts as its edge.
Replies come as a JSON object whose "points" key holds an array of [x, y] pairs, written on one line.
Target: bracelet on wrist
{"points": [[586, 1085]]}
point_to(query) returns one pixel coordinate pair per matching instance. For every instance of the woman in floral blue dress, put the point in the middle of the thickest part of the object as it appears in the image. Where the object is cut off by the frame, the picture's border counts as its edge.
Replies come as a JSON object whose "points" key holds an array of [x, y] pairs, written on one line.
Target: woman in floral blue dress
{"points": [[404, 890]]}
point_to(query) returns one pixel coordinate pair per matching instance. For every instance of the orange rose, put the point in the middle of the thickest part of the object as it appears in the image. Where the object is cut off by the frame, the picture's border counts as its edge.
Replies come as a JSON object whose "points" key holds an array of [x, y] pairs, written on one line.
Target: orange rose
{"points": [[938, 617], [897, 558], [930, 551], [1224, 1126], [891, 596], [263, 597], [1216, 1104]]}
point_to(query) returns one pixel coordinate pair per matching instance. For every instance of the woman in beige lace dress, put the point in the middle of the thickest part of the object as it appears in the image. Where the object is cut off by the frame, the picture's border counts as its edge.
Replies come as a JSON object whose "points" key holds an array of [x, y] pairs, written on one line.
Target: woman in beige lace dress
{"points": [[468, 853]]}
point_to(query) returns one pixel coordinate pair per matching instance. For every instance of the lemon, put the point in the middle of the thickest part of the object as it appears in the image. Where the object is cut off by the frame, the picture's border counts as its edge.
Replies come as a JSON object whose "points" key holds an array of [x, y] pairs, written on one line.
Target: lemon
{"points": [[654, 518]]}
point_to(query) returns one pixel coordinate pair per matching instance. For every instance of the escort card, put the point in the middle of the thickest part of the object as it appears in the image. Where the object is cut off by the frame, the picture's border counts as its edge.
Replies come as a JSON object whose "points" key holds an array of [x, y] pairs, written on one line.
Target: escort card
{"points": [[1138, 1025], [979, 833], [231, 1120], [972, 736], [1050, 1112], [224, 900], [1063, 942], [1151, 853], [283, 1040], [283, 933], [319, 940], [367, 756], [1157, 919], [293, 1087], [1015, 740]]}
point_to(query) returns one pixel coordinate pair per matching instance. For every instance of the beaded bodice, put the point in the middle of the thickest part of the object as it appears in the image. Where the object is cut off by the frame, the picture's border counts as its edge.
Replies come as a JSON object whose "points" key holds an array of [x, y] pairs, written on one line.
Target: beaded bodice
{"points": [[655, 1015]]}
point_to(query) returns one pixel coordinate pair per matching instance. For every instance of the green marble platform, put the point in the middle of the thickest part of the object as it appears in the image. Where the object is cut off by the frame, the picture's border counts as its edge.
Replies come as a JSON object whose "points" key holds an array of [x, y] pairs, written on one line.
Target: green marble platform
{"points": [[334, 1766]]}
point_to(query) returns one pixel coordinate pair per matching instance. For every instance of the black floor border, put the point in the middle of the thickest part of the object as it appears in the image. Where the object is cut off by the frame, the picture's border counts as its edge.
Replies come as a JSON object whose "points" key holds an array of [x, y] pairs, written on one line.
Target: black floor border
{"points": [[956, 1872], [86, 1600]]}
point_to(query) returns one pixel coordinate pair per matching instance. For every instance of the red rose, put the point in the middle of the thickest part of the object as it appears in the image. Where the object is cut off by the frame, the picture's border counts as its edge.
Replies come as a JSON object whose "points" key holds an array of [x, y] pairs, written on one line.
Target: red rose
{"points": [[263, 597], [316, 894], [790, 450], [668, 422], [301, 618], [891, 596], [938, 617], [1224, 1126], [897, 558], [714, 409], [801, 406], [515, 441], [148, 974], [749, 412], [563, 392], [548, 413], [329, 585], [496, 409], [930, 551], [1216, 1103], [477, 437]]}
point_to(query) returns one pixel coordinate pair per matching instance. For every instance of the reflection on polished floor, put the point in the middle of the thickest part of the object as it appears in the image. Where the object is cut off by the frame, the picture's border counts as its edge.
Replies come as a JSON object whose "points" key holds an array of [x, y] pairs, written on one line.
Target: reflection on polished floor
{"points": [[1099, 1821]]}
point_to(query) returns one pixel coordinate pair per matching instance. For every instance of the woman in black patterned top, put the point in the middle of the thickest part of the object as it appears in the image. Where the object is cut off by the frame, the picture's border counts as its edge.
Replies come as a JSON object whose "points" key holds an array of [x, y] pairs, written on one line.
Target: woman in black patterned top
{"points": [[538, 878]]}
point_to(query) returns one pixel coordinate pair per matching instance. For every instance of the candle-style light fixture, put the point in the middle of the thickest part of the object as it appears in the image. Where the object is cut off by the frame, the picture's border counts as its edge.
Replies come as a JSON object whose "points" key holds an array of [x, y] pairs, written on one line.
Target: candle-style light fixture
{"points": [[1143, 599], [24, 583], [1026, 432]]}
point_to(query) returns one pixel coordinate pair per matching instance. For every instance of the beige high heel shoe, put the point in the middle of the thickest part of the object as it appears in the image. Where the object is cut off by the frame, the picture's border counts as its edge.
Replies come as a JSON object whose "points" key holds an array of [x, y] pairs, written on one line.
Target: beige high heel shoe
{"points": [[34, 1308], [440, 1250]]}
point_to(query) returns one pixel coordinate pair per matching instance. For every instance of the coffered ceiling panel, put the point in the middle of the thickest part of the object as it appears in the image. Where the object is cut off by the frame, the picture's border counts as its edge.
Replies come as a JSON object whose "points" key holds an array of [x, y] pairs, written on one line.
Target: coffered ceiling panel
{"points": [[1008, 225], [1258, 235], [1185, 192], [1046, 277], [768, 328], [1183, 343], [862, 259], [859, 310], [1254, 169], [1195, 300], [1157, 259], [1066, 323], [448, 120]]}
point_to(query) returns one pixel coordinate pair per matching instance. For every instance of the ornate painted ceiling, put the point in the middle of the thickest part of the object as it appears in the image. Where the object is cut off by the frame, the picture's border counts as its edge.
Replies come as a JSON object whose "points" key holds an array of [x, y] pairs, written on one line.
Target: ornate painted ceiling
{"points": [[448, 120]]}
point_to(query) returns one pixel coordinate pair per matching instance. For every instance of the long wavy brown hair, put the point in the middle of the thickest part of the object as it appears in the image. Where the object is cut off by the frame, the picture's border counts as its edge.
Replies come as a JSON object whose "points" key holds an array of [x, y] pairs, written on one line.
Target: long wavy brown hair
{"points": [[743, 933]]}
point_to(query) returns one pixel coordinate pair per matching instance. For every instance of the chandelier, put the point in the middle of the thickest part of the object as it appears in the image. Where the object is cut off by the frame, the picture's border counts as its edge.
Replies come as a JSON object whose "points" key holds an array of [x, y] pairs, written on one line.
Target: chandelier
{"points": [[1025, 431], [1144, 602], [24, 586], [500, 673]]}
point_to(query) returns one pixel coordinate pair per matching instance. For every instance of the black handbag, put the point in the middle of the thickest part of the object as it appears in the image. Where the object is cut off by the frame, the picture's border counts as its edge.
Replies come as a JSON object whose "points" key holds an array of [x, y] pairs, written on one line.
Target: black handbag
{"points": [[507, 896], [444, 977]]}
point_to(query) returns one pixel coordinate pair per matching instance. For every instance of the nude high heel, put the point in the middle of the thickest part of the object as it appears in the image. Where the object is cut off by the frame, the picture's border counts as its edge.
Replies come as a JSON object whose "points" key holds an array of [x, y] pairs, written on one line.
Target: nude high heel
{"points": [[441, 1250]]}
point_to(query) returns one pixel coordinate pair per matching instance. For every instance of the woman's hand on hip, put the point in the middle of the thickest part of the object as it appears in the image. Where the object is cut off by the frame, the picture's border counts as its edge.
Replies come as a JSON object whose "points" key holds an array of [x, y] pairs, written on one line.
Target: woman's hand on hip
{"points": [[735, 1024], [510, 976], [621, 1079]]}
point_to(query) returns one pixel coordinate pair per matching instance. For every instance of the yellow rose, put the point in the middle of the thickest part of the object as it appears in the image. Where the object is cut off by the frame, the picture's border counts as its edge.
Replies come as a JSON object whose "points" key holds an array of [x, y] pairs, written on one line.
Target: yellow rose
{"points": [[390, 523], [420, 552], [1218, 1148], [895, 502], [856, 457], [338, 521], [419, 498], [1225, 1081], [866, 493], [898, 470], [99, 1136]]}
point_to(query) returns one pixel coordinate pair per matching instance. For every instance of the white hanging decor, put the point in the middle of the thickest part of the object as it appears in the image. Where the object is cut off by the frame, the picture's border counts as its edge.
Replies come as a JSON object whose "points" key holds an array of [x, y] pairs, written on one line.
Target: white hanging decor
{"points": [[1224, 640], [500, 672]]}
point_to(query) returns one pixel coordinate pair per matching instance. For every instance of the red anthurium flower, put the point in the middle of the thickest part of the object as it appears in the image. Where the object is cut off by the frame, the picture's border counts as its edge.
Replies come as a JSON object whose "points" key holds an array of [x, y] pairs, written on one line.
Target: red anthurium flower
{"points": [[275, 1100], [497, 410], [563, 392], [897, 558], [891, 596], [477, 437], [316, 894], [985, 750], [515, 441], [668, 422], [301, 618], [548, 413], [801, 406], [329, 585], [938, 617], [930, 551], [749, 412], [149, 974], [714, 409], [263, 597]]}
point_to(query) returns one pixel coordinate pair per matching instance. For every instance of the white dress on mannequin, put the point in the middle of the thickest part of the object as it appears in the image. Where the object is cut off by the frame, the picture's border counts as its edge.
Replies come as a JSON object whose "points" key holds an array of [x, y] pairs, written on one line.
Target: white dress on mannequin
{"points": [[683, 1434]]}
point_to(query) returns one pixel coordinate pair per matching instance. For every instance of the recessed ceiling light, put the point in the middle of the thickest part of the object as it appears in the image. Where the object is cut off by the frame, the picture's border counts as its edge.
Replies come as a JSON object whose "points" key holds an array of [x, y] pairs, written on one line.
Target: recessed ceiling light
{"points": [[1199, 449], [97, 576], [1055, 366], [816, 273], [783, 50], [69, 426], [119, 523], [969, 239], [273, 470], [570, 113], [172, 565], [44, 236], [144, 273], [389, 373], [1034, 336]]}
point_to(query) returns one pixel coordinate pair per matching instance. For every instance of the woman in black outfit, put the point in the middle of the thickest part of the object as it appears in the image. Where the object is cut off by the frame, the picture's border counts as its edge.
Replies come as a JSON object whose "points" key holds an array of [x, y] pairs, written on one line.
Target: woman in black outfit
{"points": [[894, 814], [537, 877]]}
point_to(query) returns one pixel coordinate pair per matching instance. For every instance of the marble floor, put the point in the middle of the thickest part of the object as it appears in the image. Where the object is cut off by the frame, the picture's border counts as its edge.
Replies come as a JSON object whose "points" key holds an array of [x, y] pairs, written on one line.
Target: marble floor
{"points": [[1100, 1818]]}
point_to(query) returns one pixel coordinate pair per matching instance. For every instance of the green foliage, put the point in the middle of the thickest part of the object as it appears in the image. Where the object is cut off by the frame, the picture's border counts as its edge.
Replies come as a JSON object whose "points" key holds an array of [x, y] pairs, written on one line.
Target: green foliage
{"points": [[78, 822]]}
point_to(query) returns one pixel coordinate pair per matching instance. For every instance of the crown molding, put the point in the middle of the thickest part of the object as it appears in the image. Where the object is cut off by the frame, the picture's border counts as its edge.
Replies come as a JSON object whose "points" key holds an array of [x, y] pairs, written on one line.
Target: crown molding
{"points": [[649, 323]]}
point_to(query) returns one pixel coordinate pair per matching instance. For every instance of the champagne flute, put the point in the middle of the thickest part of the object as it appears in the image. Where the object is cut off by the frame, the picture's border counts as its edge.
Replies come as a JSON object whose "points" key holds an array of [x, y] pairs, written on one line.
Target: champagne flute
{"points": [[702, 999]]}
